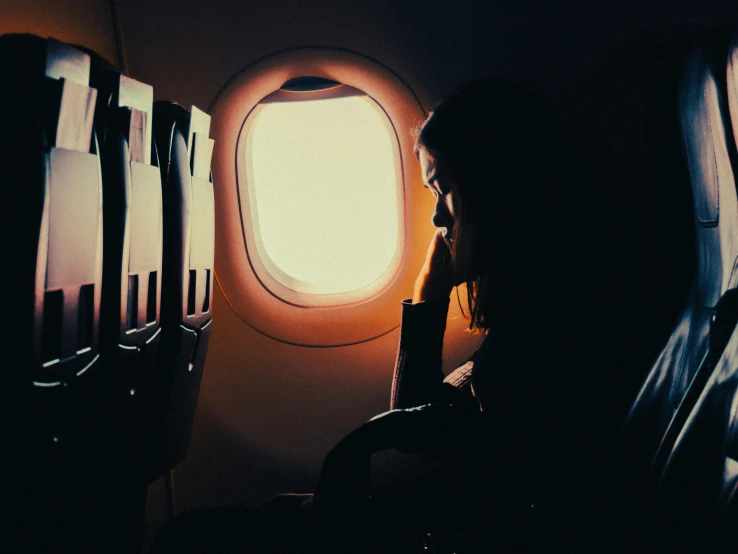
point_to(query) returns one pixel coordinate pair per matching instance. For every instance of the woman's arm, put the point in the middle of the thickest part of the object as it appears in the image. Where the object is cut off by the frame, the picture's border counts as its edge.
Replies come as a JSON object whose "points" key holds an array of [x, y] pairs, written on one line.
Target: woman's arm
{"points": [[345, 483], [418, 377]]}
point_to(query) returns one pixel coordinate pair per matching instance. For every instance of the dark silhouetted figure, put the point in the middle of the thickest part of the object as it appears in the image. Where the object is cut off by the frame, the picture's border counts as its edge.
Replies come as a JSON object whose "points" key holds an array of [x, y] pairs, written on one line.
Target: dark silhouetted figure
{"points": [[521, 423]]}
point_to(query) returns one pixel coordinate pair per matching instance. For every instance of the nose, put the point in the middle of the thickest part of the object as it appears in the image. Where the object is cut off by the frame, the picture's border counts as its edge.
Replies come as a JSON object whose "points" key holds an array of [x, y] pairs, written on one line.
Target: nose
{"points": [[441, 216]]}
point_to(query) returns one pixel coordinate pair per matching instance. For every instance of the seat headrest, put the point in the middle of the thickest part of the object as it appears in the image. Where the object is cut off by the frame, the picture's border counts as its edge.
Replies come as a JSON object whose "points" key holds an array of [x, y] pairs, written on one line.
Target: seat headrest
{"points": [[704, 121]]}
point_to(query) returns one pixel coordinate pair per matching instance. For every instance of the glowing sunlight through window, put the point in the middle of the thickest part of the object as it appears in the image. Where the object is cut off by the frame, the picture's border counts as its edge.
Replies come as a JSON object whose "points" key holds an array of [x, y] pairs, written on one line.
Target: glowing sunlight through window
{"points": [[323, 189]]}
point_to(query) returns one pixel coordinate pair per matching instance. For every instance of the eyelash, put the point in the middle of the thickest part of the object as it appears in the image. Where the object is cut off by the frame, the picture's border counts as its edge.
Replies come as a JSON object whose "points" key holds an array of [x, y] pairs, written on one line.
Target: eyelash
{"points": [[435, 188], [438, 188]]}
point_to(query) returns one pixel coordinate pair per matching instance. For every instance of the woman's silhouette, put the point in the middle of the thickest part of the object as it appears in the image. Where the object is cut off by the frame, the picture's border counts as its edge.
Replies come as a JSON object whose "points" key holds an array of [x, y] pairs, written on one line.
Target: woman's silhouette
{"points": [[526, 413], [531, 408]]}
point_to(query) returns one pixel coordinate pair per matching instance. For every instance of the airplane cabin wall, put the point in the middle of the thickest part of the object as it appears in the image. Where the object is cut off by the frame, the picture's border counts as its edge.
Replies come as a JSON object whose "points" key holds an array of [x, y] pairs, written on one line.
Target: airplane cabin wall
{"points": [[85, 22]]}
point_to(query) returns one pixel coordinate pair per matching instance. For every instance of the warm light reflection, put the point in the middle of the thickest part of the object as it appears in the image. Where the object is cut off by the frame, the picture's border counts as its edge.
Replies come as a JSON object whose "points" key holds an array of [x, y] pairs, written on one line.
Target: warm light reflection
{"points": [[325, 192]]}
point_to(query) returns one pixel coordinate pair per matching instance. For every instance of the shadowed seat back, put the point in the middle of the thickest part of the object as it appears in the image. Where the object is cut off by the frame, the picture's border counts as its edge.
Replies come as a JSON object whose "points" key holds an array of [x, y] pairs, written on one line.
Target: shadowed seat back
{"points": [[697, 491], [684, 365], [185, 148], [130, 327], [51, 216], [132, 274], [82, 194], [53, 211]]}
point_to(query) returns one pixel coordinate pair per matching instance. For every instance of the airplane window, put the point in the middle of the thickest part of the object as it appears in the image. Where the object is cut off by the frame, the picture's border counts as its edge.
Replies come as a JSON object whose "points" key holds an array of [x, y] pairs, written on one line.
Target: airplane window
{"points": [[323, 218], [323, 180]]}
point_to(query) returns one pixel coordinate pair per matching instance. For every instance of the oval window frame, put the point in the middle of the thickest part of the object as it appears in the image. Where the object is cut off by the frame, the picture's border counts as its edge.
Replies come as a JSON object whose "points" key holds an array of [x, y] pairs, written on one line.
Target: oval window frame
{"points": [[252, 301]]}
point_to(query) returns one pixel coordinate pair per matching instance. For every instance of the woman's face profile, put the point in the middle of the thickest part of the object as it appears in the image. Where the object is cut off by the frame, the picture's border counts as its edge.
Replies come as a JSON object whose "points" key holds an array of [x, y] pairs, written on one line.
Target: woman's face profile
{"points": [[434, 180]]}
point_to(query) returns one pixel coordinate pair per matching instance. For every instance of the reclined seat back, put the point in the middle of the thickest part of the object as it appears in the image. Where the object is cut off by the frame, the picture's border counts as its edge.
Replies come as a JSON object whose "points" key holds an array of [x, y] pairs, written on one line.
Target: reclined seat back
{"points": [[52, 218], [683, 366], [189, 237], [129, 322], [133, 249], [697, 490], [52, 212]]}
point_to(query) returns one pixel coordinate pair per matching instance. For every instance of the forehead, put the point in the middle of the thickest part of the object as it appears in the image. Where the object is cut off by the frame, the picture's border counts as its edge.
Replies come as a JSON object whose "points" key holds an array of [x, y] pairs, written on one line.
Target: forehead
{"points": [[427, 163]]}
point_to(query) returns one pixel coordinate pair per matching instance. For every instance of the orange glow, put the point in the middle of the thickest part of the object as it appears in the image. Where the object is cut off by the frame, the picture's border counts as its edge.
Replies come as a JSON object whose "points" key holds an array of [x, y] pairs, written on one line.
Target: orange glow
{"points": [[325, 192]]}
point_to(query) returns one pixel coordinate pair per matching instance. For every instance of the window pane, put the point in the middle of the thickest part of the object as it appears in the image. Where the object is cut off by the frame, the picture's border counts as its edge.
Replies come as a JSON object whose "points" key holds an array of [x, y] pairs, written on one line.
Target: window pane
{"points": [[325, 192]]}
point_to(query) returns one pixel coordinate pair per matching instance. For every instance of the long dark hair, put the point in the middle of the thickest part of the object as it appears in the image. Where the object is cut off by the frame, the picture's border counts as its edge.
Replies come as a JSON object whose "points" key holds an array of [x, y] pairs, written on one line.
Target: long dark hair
{"points": [[495, 144]]}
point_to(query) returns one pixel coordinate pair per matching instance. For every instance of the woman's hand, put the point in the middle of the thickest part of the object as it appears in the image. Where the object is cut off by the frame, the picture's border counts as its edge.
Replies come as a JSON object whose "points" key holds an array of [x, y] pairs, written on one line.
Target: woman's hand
{"points": [[436, 279]]}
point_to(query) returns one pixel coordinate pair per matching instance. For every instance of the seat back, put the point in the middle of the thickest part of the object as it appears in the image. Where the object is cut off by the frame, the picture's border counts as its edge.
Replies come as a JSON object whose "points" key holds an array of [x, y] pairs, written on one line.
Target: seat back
{"points": [[189, 234], [52, 218], [684, 365], [53, 209], [132, 273], [697, 489], [130, 329]]}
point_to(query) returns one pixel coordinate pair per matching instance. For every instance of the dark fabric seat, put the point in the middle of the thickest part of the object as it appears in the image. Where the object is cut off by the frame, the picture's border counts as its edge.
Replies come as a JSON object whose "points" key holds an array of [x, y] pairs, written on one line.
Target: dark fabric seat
{"points": [[132, 269], [51, 216], [83, 197], [185, 148], [684, 364], [695, 505]]}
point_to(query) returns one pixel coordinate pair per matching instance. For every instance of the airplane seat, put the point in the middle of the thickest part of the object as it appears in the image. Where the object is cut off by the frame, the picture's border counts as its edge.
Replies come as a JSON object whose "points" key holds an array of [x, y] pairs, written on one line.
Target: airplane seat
{"points": [[683, 366], [695, 499], [187, 279], [52, 220], [53, 212], [132, 269], [133, 238]]}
